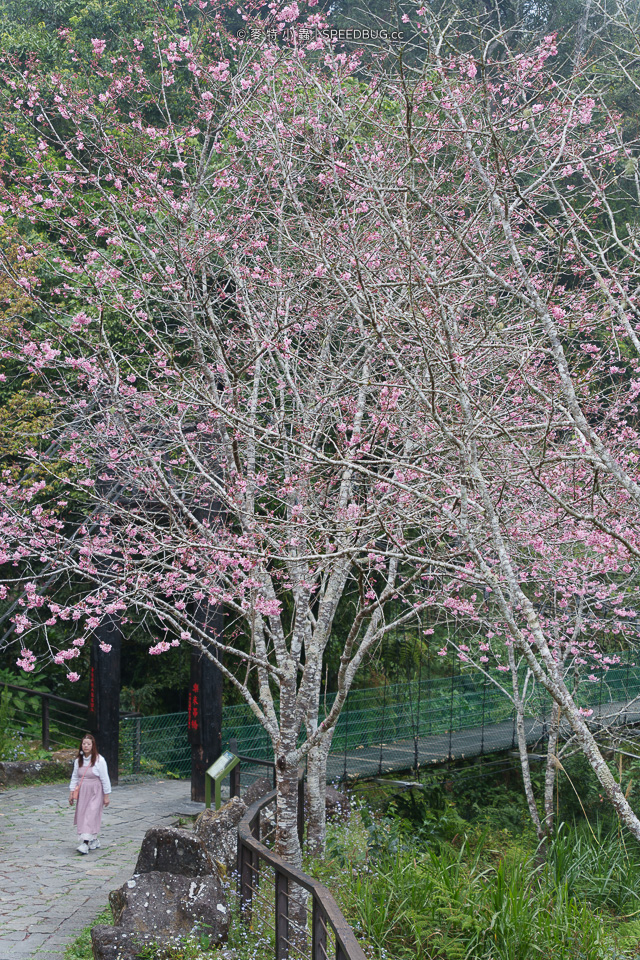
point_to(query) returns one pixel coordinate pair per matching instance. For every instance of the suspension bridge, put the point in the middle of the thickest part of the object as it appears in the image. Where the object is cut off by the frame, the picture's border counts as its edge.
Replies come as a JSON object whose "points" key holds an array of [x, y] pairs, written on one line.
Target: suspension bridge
{"points": [[396, 727]]}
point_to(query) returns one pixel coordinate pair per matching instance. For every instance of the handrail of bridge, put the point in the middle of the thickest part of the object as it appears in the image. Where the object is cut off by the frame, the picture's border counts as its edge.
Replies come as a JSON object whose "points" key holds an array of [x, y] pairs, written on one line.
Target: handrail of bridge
{"points": [[325, 910]]}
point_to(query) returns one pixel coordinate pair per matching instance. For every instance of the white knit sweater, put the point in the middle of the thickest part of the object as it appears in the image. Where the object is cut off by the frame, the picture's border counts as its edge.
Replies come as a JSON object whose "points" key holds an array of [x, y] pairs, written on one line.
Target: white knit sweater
{"points": [[99, 769]]}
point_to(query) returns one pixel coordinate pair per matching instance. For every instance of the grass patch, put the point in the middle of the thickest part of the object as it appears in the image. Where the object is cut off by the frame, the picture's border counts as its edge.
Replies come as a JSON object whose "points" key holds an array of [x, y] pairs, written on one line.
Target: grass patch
{"points": [[80, 949], [419, 881]]}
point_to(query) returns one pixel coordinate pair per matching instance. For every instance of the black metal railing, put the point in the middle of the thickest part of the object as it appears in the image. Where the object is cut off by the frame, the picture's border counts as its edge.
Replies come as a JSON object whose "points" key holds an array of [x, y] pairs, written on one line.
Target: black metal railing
{"points": [[58, 726], [329, 935]]}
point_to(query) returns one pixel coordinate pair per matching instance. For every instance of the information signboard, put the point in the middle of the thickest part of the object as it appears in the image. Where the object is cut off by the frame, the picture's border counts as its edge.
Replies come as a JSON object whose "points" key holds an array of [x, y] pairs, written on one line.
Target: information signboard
{"points": [[217, 772]]}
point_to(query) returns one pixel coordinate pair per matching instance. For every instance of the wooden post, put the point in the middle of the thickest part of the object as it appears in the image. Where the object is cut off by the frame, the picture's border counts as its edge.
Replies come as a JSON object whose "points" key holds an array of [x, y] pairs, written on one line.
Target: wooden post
{"points": [[104, 692], [318, 932], [282, 916], [137, 745], [205, 705], [45, 723], [234, 776]]}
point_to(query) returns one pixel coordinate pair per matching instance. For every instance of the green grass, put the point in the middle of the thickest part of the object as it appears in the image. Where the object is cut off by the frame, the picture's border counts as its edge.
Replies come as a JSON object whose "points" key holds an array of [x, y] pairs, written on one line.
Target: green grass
{"points": [[418, 881], [80, 949]]}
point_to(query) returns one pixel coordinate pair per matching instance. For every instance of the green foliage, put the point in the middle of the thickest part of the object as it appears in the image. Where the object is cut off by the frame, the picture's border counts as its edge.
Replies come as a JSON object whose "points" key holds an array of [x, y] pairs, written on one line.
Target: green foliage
{"points": [[19, 702], [13, 741], [597, 865], [33, 25], [5, 737], [441, 873], [80, 949], [458, 903], [425, 815], [141, 700]]}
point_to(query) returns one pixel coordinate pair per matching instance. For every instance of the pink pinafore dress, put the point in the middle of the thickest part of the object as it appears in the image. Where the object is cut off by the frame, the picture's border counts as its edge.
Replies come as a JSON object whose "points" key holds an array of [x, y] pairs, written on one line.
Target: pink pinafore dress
{"points": [[88, 816]]}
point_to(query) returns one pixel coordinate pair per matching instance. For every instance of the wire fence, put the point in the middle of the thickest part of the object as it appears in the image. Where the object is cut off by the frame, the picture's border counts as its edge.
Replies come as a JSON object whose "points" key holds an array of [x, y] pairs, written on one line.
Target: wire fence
{"points": [[393, 727]]}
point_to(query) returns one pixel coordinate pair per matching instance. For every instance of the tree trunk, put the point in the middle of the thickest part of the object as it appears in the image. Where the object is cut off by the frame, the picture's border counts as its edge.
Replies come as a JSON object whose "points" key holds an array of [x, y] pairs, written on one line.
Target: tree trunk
{"points": [[611, 787], [518, 703], [526, 773], [315, 813], [287, 841], [551, 771]]}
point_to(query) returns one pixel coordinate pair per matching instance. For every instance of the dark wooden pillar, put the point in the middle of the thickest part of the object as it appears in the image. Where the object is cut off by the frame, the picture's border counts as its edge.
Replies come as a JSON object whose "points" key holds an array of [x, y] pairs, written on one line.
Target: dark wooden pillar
{"points": [[104, 692], [205, 705]]}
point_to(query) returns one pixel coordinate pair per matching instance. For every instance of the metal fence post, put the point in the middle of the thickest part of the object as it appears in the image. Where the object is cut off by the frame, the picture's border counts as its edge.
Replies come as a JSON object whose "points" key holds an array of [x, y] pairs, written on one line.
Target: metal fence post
{"points": [[484, 702], [282, 916], [453, 680], [626, 692], [346, 733], [301, 808], [245, 879], [255, 859], [137, 745], [384, 711], [600, 697], [417, 735], [45, 723]]}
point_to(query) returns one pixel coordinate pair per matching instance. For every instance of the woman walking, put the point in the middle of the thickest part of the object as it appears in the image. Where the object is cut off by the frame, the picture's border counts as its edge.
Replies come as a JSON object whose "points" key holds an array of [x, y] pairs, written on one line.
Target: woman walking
{"points": [[90, 787]]}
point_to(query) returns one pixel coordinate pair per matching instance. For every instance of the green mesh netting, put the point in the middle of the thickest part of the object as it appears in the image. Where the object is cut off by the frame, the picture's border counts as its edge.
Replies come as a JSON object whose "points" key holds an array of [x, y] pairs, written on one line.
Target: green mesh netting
{"points": [[387, 727]]}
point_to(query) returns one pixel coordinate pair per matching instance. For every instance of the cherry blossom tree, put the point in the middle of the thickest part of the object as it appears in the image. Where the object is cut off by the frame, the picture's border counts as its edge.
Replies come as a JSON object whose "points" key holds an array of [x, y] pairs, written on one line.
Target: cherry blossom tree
{"points": [[212, 393], [521, 315], [314, 334]]}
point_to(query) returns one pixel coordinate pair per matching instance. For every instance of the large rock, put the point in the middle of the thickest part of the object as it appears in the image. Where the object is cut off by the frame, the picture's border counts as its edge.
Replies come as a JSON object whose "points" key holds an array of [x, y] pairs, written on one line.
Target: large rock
{"points": [[337, 805], [167, 905], [257, 790], [17, 772], [170, 850], [114, 943], [218, 830]]}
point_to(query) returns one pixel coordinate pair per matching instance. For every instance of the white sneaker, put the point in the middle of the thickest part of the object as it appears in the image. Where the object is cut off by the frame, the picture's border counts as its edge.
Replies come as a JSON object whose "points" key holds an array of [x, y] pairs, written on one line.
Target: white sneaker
{"points": [[94, 844], [84, 847]]}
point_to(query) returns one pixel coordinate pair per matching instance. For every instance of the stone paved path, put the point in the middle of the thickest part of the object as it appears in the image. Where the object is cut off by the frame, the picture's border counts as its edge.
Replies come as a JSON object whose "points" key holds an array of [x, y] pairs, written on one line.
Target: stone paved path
{"points": [[48, 891]]}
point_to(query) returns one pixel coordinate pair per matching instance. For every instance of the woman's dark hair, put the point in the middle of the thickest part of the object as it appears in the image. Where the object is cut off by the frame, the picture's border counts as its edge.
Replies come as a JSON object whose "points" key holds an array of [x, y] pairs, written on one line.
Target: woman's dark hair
{"points": [[94, 750]]}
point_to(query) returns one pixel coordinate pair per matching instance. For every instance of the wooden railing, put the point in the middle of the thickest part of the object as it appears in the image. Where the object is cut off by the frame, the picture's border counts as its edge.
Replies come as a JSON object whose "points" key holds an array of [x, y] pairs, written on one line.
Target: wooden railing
{"points": [[330, 934], [72, 728]]}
